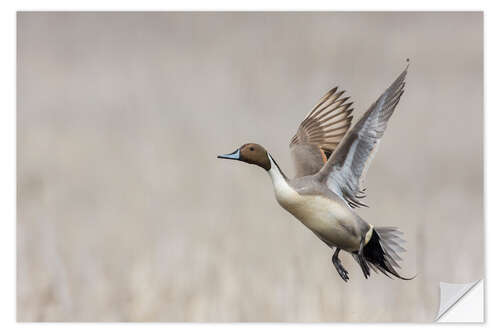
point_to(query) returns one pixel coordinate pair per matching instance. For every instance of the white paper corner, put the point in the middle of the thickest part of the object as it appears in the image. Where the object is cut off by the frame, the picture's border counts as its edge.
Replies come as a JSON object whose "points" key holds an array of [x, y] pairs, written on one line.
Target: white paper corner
{"points": [[461, 302]]}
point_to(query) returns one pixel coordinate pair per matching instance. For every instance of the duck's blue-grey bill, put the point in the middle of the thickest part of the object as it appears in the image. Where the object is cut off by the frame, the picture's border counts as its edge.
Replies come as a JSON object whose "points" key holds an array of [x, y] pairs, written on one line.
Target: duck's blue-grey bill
{"points": [[235, 155]]}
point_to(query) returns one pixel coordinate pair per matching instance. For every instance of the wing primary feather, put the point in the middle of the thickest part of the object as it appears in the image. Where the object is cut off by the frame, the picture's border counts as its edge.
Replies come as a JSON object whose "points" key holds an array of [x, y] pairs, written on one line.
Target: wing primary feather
{"points": [[322, 100], [347, 113], [333, 101], [328, 130], [346, 168]]}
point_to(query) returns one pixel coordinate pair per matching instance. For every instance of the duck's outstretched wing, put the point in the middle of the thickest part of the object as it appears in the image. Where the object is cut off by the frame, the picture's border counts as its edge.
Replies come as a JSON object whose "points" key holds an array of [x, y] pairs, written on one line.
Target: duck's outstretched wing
{"points": [[345, 170], [320, 133]]}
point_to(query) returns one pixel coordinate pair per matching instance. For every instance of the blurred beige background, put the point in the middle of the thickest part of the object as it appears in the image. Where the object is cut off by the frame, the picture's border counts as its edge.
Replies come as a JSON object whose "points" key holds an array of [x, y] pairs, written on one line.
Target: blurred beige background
{"points": [[125, 214]]}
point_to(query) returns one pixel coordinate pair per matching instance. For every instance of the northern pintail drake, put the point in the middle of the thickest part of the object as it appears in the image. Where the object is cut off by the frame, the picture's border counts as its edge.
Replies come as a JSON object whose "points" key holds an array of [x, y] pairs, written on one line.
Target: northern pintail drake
{"points": [[331, 163]]}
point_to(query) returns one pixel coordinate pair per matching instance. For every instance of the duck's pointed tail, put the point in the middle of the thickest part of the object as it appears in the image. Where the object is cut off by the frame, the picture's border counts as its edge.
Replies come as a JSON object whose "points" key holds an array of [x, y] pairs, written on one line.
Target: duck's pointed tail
{"points": [[382, 252]]}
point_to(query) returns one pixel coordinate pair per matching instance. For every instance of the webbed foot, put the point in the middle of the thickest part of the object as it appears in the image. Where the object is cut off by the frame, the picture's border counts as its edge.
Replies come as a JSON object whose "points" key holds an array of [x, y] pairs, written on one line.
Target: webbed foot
{"points": [[338, 265]]}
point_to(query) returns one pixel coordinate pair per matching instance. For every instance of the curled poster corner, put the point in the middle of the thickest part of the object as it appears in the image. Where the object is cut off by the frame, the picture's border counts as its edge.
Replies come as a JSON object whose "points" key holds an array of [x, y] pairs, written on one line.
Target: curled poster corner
{"points": [[461, 302]]}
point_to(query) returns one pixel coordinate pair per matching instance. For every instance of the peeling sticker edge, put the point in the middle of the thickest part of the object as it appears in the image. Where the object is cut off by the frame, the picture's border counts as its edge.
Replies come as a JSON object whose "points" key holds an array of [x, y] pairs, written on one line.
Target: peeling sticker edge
{"points": [[461, 290]]}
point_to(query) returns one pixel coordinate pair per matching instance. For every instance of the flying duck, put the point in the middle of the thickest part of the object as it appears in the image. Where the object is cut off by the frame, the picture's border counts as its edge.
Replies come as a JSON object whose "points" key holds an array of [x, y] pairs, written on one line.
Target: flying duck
{"points": [[331, 164]]}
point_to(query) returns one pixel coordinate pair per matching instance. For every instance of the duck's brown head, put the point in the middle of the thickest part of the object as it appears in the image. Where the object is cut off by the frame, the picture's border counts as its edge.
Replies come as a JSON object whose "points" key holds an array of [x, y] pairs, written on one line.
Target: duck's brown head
{"points": [[251, 153]]}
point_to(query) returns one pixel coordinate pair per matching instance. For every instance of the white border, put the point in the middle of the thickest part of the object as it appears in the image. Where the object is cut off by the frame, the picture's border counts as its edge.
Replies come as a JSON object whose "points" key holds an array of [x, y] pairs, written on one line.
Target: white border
{"points": [[7, 147]]}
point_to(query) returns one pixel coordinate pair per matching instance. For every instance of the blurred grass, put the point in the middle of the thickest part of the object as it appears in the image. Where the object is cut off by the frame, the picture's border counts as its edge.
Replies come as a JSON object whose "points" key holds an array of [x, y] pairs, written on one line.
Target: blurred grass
{"points": [[125, 214]]}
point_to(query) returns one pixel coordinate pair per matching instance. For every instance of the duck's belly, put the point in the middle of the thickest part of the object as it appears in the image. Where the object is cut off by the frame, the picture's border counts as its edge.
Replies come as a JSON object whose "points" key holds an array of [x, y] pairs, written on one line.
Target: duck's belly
{"points": [[331, 221]]}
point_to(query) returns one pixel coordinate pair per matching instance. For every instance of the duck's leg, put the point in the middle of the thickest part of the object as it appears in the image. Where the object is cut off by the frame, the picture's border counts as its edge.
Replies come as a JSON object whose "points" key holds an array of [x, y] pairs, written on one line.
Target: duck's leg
{"points": [[362, 260], [340, 269]]}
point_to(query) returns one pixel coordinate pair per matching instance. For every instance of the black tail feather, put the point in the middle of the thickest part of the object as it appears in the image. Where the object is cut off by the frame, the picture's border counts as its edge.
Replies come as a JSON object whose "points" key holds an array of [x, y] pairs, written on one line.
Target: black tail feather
{"points": [[382, 252]]}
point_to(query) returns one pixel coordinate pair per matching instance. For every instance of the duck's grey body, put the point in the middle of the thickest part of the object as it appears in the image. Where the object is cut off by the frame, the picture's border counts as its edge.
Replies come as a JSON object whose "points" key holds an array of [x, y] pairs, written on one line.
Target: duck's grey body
{"points": [[319, 209], [331, 163]]}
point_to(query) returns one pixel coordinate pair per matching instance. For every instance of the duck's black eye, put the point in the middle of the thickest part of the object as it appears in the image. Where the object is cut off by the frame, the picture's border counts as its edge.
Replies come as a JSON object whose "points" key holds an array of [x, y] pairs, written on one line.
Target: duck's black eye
{"points": [[251, 148]]}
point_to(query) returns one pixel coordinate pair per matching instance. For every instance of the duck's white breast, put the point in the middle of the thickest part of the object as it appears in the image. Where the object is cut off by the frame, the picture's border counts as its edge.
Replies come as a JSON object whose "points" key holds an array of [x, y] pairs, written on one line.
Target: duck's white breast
{"points": [[322, 215]]}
